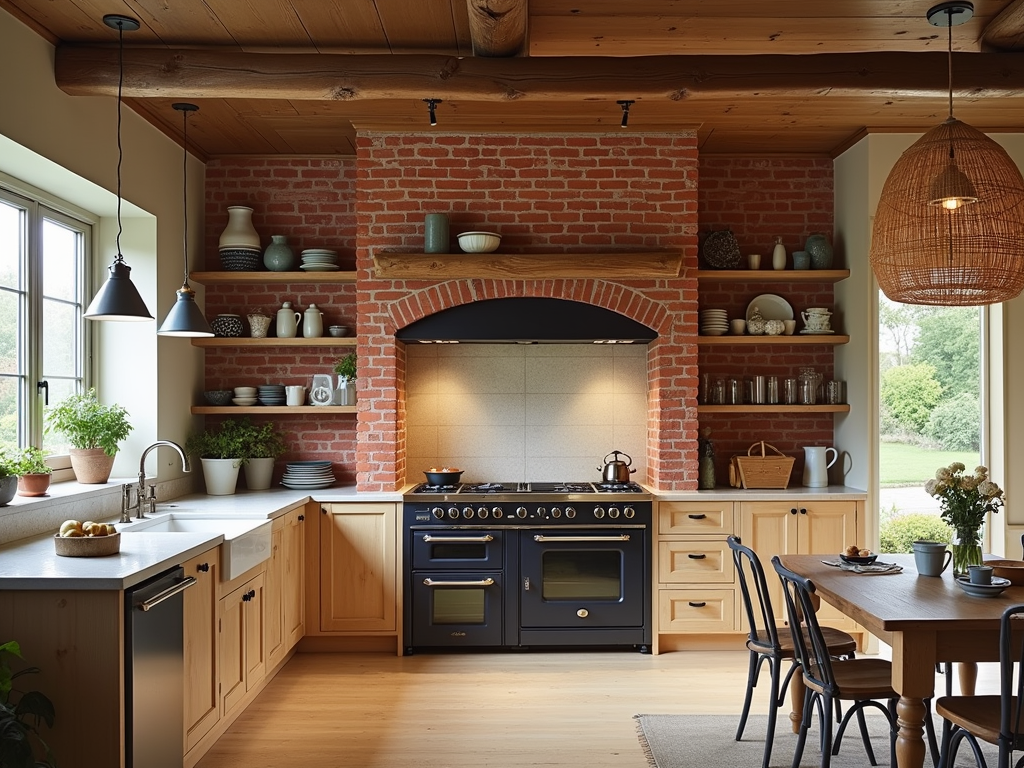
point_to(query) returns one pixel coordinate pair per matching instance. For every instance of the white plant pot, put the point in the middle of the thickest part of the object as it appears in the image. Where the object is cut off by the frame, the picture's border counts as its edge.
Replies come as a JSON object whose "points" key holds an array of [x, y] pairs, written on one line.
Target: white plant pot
{"points": [[221, 476], [258, 474]]}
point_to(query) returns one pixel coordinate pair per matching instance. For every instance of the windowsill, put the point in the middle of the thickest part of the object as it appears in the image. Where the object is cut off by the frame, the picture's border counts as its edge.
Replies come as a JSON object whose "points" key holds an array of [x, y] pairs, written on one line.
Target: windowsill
{"points": [[63, 493]]}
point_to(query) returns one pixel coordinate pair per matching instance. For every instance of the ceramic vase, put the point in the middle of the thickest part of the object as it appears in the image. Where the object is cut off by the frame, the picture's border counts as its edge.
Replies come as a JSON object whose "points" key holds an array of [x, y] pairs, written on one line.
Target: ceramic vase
{"points": [[227, 325], [820, 251], [435, 233], [239, 233], [779, 254], [279, 256]]}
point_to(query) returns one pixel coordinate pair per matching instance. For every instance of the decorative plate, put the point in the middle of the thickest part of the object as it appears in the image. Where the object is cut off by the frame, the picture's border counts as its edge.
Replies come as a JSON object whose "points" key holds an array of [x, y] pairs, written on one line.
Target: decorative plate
{"points": [[772, 307], [721, 251]]}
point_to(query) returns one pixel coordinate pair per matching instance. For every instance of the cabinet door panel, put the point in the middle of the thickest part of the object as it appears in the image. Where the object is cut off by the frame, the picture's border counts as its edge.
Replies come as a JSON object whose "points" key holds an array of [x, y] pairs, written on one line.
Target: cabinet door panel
{"points": [[255, 640], [696, 610], [232, 662], [702, 562], [275, 596], [829, 527], [293, 545], [202, 705], [771, 528]]}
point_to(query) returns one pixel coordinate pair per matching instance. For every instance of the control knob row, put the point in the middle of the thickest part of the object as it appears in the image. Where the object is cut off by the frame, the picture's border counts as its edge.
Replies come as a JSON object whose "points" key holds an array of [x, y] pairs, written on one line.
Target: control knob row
{"points": [[613, 513], [467, 512]]}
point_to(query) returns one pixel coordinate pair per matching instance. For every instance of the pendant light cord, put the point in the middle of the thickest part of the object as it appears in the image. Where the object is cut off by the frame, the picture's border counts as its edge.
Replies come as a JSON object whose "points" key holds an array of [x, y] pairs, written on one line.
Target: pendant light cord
{"points": [[949, 57], [184, 190], [120, 153]]}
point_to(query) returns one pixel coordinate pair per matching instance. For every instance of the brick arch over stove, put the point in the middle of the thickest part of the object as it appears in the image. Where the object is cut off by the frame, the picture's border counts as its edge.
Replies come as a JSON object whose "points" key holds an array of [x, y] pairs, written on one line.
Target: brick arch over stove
{"points": [[671, 364]]}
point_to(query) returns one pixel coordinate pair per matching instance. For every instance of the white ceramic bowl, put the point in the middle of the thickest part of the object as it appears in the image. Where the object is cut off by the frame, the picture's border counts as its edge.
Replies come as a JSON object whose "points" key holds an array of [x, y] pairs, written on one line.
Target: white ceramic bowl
{"points": [[244, 400], [245, 391], [479, 242]]}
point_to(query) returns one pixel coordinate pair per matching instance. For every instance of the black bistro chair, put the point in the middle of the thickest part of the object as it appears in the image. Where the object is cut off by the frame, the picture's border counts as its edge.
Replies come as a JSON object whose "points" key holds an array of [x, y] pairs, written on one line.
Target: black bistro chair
{"points": [[764, 643], [998, 719], [863, 682]]}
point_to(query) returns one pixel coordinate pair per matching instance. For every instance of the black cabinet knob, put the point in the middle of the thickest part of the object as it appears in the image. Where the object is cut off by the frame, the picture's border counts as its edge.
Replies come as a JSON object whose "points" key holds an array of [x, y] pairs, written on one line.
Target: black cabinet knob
{"points": [[302, 517], [203, 567]]}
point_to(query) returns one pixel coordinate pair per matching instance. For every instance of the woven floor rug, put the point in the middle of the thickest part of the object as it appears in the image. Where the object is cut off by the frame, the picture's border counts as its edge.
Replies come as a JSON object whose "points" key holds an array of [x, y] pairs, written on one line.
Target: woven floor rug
{"points": [[707, 741]]}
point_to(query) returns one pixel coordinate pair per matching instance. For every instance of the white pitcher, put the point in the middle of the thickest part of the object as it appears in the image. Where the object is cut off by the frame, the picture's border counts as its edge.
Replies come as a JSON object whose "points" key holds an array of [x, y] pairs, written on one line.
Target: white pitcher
{"points": [[313, 322], [287, 321], [815, 466]]}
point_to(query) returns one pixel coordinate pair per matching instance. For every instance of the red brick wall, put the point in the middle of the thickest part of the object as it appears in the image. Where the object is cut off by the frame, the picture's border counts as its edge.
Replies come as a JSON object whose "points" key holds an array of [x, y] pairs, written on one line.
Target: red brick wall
{"points": [[566, 193], [760, 199], [550, 192]]}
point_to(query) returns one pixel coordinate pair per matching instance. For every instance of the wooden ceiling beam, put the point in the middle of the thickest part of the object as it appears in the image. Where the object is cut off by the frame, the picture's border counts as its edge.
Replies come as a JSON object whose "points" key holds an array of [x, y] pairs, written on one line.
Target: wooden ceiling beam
{"points": [[497, 27], [1006, 30], [82, 70]]}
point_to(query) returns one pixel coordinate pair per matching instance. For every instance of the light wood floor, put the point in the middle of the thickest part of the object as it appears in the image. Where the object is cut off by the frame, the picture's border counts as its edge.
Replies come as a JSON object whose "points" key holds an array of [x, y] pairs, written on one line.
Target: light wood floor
{"points": [[507, 710]]}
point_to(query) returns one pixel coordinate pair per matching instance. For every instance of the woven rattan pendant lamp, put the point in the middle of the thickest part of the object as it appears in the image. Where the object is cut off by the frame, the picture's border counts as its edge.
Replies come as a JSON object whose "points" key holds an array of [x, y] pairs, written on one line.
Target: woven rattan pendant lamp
{"points": [[949, 228]]}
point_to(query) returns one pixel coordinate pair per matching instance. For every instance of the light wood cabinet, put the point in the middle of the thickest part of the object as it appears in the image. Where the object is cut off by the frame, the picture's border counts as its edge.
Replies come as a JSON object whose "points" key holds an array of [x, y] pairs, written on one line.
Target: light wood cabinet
{"points": [[243, 659], [800, 527], [358, 568], [285, 586], [202, 704]]}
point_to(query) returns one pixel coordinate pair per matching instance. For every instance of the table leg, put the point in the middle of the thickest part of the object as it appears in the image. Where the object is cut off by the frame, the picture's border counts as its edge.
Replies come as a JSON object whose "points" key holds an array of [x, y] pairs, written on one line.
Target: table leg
{"points": [[968, 677], [910, 747], [796, 698]]}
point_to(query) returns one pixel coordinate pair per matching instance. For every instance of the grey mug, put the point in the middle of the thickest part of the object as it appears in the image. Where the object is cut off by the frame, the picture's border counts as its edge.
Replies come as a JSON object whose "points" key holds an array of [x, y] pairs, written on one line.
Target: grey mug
{"points": [[931, 557]]}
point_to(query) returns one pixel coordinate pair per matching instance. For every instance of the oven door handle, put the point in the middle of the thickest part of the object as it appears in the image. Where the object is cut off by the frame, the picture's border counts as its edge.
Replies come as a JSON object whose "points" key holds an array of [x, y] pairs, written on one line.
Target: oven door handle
{"points": [[619, 537], [481, 583], [450, 539]]}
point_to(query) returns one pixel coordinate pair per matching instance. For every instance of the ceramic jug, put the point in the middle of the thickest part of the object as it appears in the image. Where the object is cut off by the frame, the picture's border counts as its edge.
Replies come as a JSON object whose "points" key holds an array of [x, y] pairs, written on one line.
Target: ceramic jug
{"points": [[287, 321], [815, 466], [313, 323]]}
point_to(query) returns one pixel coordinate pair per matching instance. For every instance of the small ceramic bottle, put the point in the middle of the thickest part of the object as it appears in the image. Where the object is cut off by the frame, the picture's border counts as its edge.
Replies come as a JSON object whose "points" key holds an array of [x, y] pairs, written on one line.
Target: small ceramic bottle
{"points": [[287, 321], [278, 256], [779, 255], [313, 323]]}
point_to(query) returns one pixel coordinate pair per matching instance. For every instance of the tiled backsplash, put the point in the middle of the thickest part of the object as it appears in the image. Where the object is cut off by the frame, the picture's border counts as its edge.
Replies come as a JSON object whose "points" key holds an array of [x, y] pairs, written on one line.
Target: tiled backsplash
{"points": [[506, 412]]}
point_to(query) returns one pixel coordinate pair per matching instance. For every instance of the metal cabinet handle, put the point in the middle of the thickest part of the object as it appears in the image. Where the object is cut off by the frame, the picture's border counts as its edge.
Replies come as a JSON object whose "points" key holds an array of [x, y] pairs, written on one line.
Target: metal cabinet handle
{"points": [[450, 539], [701, 604], [620, 537], [701, 516], [167, 594], [693, 556], [481, 583]]}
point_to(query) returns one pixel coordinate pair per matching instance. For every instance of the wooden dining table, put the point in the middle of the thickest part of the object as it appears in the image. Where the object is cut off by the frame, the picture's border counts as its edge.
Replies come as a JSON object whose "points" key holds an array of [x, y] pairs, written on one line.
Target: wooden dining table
{"points": [[925, 619]]}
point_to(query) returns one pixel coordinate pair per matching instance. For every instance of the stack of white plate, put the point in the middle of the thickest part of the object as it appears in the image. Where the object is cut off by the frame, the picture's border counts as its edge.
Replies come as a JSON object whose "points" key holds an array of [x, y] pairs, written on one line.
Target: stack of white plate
{"points": [[714, 322], [305, 475], [319, 260], [271, 394]]}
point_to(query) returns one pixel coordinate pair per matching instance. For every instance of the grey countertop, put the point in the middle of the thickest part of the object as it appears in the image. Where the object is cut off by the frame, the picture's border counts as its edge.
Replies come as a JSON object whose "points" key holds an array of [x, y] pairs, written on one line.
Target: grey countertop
{"points": [[33, 564]]}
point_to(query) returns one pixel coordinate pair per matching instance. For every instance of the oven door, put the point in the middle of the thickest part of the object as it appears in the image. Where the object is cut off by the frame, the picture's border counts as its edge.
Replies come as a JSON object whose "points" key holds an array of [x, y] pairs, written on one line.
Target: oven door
{"points": [[583, 578], [450, 549], [456, 608]]}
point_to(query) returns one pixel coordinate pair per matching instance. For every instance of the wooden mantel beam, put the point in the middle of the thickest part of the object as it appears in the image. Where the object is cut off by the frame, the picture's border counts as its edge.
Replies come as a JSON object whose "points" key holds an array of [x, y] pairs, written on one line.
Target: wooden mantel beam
{"points": [[497, 27], [1006, 31], [197, 74]]}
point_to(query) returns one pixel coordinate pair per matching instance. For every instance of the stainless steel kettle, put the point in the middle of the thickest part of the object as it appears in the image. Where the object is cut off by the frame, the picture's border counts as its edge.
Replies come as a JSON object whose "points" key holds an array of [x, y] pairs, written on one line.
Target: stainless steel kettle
{"points": [[616, 471]]}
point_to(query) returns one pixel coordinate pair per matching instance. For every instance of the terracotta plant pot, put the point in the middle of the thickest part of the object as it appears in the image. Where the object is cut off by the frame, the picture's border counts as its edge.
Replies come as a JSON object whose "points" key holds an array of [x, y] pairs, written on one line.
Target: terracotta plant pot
{"points": [[34, 484], [91, 465]]}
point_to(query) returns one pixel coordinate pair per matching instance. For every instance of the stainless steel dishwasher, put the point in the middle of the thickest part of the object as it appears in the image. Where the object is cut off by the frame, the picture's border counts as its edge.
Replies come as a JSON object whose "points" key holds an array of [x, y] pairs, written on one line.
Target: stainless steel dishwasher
{"points": [[154, 671]]}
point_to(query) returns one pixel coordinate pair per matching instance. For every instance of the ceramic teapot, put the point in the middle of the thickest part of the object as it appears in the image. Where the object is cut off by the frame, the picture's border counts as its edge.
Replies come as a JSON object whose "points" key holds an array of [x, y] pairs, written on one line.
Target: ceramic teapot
{"points": [[287, 321], [313, 322]]}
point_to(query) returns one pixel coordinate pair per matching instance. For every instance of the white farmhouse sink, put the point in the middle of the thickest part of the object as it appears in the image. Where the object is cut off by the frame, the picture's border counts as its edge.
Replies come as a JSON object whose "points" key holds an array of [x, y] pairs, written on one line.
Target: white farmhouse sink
{"points": [[246, 540]]}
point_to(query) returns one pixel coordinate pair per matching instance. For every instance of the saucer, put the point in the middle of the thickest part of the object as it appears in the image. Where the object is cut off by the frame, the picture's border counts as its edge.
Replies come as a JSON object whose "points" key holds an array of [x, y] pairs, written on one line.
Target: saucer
{"points": [[807, 330], [983, 590]]}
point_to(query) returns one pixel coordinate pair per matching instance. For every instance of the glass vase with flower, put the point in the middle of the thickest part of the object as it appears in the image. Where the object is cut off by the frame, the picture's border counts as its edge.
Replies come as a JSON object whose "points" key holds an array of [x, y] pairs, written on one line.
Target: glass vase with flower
{"points": [[965, 501]]}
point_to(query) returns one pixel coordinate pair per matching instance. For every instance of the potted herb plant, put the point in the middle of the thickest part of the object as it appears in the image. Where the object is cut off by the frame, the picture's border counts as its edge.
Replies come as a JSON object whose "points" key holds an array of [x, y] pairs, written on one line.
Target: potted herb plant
{"points": [[222, 450], [21, 714], [8, 478], [94, 431], [32, 470], [346, 370], [262, 444]]}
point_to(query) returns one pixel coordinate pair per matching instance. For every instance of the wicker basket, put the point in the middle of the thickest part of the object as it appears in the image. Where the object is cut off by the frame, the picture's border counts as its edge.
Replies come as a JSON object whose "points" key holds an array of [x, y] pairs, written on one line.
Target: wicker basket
{"points": [[769, 470]]}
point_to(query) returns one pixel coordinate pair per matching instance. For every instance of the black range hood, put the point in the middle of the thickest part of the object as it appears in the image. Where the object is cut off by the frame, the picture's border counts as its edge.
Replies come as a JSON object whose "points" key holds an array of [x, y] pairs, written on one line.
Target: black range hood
{"points": [[525, 320]]}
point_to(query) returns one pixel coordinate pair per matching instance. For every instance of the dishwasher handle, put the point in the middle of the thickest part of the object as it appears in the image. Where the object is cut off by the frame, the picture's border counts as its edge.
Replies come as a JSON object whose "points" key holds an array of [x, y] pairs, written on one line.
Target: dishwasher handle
{"points": [[155, 600]]}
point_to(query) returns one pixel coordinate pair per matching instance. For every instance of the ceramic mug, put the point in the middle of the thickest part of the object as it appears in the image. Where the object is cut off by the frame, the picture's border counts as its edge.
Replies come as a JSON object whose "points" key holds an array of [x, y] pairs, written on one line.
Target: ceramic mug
{"points": [[980, 574], [931, 557], [295, 395], [816, 320]]}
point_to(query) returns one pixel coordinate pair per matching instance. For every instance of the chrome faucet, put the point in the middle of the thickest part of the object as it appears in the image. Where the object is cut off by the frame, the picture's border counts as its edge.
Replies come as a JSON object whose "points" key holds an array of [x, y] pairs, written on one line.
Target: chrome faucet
{"points": [[146, 497]]}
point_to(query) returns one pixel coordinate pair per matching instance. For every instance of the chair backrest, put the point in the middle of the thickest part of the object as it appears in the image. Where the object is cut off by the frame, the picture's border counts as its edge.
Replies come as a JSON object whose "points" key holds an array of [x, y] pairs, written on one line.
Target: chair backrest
{"points": [[1011, 691], [759, 613], [809, 644]]}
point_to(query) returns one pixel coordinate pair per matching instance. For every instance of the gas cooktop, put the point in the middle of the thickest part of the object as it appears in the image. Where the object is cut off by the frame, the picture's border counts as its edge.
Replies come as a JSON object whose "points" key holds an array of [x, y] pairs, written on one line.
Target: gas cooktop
{"points": [[513, 490]]}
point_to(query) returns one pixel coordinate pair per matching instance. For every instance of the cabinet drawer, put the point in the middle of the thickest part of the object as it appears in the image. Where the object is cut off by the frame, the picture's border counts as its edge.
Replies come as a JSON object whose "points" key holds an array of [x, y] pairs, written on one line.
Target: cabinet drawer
{"points": [[696, 610], [695, 517], [695, 562]]}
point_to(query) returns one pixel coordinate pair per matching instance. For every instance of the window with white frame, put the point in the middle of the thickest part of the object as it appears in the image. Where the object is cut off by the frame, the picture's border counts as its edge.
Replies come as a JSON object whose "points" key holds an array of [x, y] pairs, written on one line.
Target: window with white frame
{"points": [[43, 257]]}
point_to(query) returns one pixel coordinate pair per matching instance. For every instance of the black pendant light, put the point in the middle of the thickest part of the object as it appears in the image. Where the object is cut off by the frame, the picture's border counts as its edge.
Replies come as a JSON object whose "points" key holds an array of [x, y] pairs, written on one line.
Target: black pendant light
{"points": [[118, 298], [185, 317]]}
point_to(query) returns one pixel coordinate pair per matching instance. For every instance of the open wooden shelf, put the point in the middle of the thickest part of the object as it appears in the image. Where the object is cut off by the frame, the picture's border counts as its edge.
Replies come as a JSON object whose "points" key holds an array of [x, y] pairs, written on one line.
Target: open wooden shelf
{"points": [[773, 275], [801, 339], [222, 278], [298, 341], [779, 408], [528, 266], [227, 410]]}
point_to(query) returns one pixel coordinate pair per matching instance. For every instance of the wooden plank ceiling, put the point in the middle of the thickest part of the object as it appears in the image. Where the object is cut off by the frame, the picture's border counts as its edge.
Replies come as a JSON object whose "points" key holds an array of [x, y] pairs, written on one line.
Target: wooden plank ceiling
{"points": [[786, 77]]}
